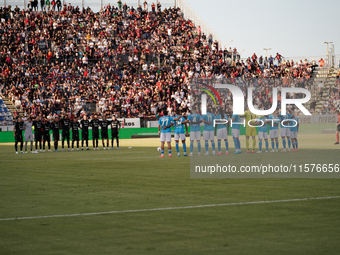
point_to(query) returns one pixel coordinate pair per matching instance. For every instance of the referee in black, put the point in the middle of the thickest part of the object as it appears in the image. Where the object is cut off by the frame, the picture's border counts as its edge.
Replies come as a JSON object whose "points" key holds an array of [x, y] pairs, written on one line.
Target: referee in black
{"points": [[95, 131], [17, 132], [85, 123], [104, 124], [38, 125], [75, 132], [115, 126]]}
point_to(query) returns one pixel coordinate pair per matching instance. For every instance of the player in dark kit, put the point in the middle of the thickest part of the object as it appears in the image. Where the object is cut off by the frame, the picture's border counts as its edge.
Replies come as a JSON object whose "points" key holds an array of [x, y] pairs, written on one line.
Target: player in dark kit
{"points": [[47, 126], [17, 132], [38, 125], [95, 131], [66, 124], [55, 127], [75, 132], [115, 126], [85, 123], [104, 131]]}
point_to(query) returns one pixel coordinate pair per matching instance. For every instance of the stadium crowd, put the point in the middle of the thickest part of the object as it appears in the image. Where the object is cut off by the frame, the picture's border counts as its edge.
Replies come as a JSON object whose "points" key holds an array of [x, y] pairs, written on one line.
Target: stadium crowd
{"points": [[130, 62], [333, 104]]}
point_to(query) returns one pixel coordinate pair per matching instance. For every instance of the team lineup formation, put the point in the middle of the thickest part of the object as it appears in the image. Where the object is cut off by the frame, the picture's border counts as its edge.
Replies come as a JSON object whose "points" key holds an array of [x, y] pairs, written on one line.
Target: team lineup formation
{"points": [[42, 127], [217, 124]]}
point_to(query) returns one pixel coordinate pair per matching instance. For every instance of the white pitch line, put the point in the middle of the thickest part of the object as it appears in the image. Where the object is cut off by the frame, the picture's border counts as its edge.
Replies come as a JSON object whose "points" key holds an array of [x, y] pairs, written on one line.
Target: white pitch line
{"points": [[166, 208]]}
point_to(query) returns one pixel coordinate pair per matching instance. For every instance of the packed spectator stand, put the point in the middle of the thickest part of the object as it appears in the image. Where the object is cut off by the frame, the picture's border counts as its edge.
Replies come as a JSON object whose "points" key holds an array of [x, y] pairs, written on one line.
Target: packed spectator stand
{"points": [[130, 62]]}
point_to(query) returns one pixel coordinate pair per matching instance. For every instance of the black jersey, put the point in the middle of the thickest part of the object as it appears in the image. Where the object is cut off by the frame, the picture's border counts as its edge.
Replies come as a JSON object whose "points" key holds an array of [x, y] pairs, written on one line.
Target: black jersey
{"points": [[66, 124], [19, 127], [115, 126], [95, 124], [56, 126], [38, 125], [47, 126], [75, 126], [85, 125], [104, 124]]}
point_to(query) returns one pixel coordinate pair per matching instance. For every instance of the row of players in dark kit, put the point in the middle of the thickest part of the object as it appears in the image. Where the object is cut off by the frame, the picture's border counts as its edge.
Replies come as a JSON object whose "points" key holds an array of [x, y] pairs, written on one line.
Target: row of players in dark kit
{"points": [[42, 127]]}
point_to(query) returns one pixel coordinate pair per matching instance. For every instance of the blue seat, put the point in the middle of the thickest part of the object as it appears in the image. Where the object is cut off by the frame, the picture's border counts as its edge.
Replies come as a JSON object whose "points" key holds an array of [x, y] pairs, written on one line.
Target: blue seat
{"points": [[1, 118], [1, 101], [0, 109], [6, 109]]}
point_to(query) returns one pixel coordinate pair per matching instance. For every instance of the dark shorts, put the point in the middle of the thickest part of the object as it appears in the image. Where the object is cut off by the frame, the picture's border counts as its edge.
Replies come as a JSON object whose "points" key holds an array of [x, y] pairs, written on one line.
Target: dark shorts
{"points": [[115, 135], [95, 134], [19, 138], [47, 137], [85, 135], [104, 134], [75, 135], [56, 136], [338, 127], [65, 135], [38, 136]]}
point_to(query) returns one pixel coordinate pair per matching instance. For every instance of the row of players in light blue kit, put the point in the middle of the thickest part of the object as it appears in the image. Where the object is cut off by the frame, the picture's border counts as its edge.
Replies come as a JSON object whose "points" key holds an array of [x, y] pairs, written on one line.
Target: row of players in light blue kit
{"points": [[288, 126]]}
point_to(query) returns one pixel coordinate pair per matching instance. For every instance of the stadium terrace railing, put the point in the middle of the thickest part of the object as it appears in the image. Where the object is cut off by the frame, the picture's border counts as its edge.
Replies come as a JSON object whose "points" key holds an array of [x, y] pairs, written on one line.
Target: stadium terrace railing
{"points": [[190, 14], [330, 60], [95, 5]]}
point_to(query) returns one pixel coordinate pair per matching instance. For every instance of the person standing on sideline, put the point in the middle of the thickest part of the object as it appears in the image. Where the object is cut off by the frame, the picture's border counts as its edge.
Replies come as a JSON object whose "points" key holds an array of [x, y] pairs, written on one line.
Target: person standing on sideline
{"points": [[115, 126], [85, 123], [337, 128], [75, 132], [58, 5], [42, 5], [46, 134], [104, 124], [95, 131], [164, 132], [179, 132], [56, 126], [17, 132], [38, 125], [66, 124]]}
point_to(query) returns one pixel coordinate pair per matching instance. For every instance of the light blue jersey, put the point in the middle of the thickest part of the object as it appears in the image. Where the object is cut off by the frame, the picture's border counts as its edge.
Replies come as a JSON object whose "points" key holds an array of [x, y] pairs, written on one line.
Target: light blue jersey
{"points": [[179, 127], [265, 126], [292, 128], [284, 118], [209, 117], [219, 117], [165, 121], [195, 117], [274, 124], [237, 120]]}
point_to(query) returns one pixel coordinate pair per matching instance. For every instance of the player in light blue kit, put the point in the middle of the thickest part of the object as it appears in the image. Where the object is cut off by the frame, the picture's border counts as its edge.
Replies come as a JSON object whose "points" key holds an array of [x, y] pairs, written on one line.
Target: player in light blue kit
{"points": [[179, 132], [274, 130], [195, 130], [208, 131], [235, 132], [164, 131], [222, 132], [285, 130], [262, 132], [294, 129]]}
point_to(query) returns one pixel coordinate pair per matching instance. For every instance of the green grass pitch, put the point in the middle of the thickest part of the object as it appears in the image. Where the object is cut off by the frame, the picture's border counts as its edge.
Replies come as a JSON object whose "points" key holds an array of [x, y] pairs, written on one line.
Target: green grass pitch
{"points": [[130, 179]]}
